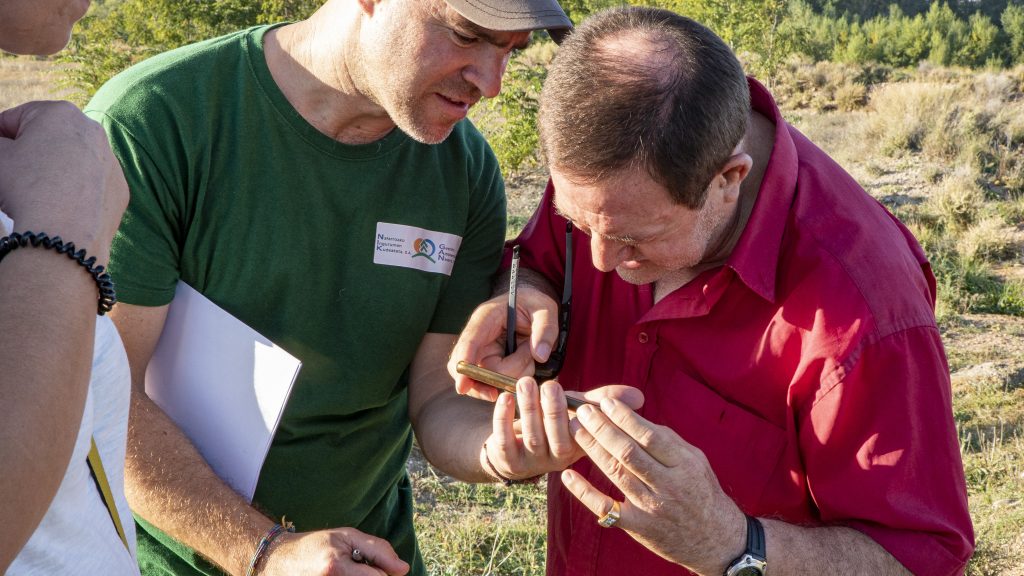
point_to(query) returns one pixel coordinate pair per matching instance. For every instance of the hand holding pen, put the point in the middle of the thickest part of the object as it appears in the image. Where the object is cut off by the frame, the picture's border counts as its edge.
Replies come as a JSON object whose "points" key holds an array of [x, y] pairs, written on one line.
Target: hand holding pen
{"points": [[483, 341], [549, 367], [490, 337], [530, 432]]}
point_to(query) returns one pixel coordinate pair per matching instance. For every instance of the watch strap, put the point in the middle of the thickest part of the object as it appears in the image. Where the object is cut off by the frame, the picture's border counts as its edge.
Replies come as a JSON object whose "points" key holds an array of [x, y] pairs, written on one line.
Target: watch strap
{"points": [[752, 560], [755, 538]]}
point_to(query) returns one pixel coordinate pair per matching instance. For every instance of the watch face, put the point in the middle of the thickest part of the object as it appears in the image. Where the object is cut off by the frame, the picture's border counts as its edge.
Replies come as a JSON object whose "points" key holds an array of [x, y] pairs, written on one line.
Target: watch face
{"points": [[749, 571]]}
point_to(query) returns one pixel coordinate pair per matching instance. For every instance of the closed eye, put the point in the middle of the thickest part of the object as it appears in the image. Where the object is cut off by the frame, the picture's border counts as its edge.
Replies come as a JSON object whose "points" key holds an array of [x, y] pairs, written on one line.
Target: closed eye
{"points": [[462, 39], [571, 221]]}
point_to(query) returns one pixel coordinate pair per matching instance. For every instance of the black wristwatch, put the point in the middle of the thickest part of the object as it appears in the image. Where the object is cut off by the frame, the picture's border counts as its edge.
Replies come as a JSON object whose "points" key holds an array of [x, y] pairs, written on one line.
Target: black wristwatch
{"points": [[752, 561]]}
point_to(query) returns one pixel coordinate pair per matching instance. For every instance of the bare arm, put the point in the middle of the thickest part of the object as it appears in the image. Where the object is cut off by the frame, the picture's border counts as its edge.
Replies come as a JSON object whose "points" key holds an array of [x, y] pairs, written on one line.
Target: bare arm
{"points": [[450, 428], [48, 314], [57, 175], [798, 550], [168, 483]]}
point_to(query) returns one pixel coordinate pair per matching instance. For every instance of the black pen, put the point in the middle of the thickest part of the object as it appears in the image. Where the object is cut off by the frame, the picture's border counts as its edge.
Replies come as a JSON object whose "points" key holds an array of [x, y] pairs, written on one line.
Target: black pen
{"points": [[510, 322]]}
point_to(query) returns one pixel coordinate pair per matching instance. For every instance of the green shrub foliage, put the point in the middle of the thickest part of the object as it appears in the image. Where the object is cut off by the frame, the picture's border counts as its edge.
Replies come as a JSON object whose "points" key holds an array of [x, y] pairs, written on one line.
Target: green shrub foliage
{"points": [[118, 33]]}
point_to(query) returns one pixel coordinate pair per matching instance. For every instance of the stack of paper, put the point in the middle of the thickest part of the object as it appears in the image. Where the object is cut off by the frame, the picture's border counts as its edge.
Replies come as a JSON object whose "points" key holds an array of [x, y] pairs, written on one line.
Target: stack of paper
{"points": [[224, 385]]}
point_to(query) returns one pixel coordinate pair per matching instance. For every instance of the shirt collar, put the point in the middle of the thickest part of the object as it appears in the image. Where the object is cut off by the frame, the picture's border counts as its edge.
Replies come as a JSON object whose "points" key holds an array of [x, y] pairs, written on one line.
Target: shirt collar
{"points": [[755, 258]]}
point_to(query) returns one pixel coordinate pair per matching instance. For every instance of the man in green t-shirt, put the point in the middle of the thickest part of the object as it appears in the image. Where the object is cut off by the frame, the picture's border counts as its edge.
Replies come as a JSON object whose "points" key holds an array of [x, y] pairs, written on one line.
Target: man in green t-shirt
{"points": [[318, 181]]}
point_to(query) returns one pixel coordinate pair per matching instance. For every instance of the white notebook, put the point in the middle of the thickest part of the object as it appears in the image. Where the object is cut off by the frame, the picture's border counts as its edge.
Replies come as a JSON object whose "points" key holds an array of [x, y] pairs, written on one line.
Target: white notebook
{"points": [[223, 384]]}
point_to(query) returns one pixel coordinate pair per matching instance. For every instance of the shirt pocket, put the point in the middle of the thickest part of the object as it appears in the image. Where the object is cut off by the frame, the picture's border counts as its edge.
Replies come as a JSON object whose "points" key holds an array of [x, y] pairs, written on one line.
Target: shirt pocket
{"points": [[742, 448]]}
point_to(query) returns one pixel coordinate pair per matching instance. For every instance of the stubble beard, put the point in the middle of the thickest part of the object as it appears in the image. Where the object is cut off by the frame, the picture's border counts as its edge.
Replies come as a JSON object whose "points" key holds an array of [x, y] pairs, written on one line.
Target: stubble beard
{"points": [[641, 276], [409, 101], [409, 117], [393, 96], [414, 117], [394, 93], [404, 96]]}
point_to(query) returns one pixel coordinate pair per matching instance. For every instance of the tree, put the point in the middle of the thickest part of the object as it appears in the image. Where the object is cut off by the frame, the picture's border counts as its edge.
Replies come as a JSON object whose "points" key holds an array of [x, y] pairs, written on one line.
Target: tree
{"points": [[1013, 25], [812, 34], [979, 43], [946, 33], [751, 26]]}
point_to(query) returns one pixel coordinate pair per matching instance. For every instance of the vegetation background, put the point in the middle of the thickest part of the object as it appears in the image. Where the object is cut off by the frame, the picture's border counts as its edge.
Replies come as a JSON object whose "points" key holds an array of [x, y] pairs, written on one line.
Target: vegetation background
{"points": [[922, 101]]}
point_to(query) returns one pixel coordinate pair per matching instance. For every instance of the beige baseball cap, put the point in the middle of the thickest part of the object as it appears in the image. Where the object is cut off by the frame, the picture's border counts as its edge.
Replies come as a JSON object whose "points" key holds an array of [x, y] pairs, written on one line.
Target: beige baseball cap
{"points": [[507, 15]]}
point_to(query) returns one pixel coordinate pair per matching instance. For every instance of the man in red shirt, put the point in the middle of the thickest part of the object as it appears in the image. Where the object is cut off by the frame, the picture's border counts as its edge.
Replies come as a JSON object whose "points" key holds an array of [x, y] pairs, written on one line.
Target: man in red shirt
{"points": [[778, 320]]}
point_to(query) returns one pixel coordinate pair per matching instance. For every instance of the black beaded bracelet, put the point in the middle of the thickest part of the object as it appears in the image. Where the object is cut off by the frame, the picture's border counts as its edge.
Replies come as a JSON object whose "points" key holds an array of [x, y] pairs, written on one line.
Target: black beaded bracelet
{"points": [[107, 297]]}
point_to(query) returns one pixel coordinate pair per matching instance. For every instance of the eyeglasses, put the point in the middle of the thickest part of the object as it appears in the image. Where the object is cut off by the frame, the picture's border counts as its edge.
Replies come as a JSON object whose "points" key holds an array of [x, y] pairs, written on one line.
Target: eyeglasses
{"points": [[548, 370]]}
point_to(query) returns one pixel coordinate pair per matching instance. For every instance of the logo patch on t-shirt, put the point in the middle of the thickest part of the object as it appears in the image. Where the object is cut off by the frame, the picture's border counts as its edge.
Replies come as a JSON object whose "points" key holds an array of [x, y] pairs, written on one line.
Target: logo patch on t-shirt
{"points": [[417, 248]]}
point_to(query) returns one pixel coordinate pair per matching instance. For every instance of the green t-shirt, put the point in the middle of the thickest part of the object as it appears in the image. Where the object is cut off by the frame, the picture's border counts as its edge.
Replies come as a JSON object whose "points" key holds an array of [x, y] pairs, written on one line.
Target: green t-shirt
{"points": [[343, 255]]}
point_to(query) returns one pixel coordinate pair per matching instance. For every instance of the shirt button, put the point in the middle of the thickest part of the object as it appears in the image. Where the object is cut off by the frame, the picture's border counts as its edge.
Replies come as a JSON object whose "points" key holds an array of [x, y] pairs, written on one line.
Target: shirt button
{"points": [[643, 338]]}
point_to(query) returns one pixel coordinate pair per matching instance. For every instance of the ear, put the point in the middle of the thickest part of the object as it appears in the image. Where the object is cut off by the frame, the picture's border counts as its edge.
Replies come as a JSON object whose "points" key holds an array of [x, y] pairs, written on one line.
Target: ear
{"points": [[368, 6], [732, 174]]}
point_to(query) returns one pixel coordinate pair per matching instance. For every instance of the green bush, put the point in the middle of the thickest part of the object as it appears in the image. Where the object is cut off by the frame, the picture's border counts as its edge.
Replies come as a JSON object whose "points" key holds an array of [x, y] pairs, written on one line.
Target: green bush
{"points": [[1011, 298], [509, 121], [118, 33]]}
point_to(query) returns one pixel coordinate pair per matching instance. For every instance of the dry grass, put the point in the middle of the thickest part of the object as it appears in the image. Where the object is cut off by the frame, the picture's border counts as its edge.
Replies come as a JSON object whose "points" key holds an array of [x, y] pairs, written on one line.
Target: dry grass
{"points": [[944, 149], [957, 201], [825, 86], [903, 114], [986, 354], [989, 240], [478, 529], [23, 79]]}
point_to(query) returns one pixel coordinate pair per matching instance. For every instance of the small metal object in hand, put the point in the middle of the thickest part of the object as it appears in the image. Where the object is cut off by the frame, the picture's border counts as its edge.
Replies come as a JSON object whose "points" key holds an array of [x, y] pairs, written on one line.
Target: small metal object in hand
{"points": [[609, 519], [359, 558], [507, 383]]}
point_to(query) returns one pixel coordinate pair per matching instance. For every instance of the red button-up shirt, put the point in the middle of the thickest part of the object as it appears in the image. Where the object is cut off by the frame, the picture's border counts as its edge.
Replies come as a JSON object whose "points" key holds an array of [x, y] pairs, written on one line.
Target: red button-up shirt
{"points": [[808, 369]]}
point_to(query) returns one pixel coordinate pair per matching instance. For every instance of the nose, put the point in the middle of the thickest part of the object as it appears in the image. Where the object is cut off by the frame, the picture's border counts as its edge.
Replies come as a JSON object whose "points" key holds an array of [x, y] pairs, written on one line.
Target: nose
{"points": [[607, 254], [487, 71]]}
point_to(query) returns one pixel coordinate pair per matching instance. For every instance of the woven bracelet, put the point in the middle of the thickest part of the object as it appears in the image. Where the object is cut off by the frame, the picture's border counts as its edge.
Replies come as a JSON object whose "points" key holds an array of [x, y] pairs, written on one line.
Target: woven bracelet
{"points": [[261, 550], [501, 477], [107, 297]]}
